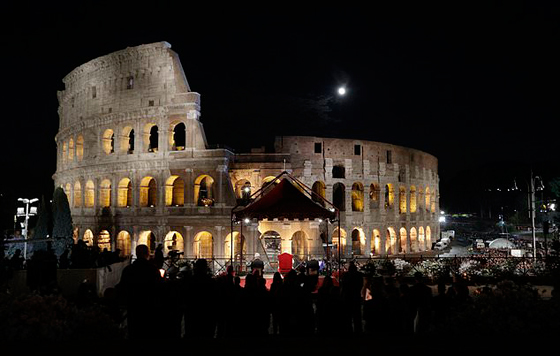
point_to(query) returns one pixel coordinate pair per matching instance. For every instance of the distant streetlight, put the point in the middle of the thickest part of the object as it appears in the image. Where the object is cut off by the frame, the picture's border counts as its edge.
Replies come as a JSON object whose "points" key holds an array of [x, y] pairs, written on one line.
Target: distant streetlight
{"points": [[27, 213]]}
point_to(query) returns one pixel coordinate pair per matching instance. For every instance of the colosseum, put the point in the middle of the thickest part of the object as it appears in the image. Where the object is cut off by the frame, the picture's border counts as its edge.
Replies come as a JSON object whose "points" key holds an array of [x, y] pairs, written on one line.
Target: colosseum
{"points": [[133, 159]]}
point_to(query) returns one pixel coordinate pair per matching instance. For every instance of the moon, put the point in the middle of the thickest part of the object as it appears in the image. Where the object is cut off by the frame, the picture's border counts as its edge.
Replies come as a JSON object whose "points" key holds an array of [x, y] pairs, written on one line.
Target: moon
{"points": [[341, 91]]}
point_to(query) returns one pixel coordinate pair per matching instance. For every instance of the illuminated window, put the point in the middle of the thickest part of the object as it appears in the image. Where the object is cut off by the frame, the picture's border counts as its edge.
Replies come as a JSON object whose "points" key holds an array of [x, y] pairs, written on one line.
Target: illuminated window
{"points": [[89, 194], [77, 195], [320, 192], [178, 137], [413, 240], [174, 191], [412, 199], [374, 195], [173, 242], [376, 243], [105, 193], [108, 141], [124, 243], [127, 140], [243, 189], [391, 241], [240, 247], [71, 150], [88, 237], [148, 192], [80, 148], [357, 197], [358, 242], [299, 245], [104, 240], [335, 242], [203, 190], [149, 239], [64, 152], [427, 197], [402, 233], [124, 198], [151, 137], [203, 245], [389, 196]]}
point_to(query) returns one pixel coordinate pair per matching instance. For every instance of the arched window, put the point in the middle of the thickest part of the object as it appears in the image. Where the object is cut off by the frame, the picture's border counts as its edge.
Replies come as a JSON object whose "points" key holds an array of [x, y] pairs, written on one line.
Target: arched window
{"points": [[178, 137], [104, 240], [173, 242], [358, 242], [421, 239], [272, 243], [108, 142], [148, 192], [80, 148], [339, 196], [376, 242], [389, 196], [203, 190], [427, 197], [299, 248], [77, 194], [357, 197], [174, 191], [105, 193], [319, 191], [124, 243], [68, 191], [124, 198], [127, 140], [88, 237], [390, 241], [404, 242], [413, 240], [203, 245], [149, 239], [239, 246], [428, 238], [338, 245], [402, 200], [64, 152], [71, 150], [153, 139], [374, 196], [412, 199], [243, 189], [89, 194]]}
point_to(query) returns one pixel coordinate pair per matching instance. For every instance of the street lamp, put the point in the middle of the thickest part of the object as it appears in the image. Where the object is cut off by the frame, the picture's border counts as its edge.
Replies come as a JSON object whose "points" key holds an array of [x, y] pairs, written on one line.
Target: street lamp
{"points": [[532, 209], [27, 212]]}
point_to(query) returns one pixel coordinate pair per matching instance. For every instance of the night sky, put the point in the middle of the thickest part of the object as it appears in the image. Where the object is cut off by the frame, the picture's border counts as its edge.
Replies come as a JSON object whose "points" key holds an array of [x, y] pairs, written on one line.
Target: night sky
{"points": [[474, 85]]}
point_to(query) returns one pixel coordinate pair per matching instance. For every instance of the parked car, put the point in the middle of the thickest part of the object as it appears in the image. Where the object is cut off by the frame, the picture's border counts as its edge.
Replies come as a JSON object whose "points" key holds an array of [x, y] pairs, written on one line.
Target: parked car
{"points": [[440, 245]]}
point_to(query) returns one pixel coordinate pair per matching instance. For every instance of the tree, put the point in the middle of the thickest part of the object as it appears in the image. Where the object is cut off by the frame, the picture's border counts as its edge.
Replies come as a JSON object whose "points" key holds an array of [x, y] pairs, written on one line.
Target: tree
{"points": [[62, 221], [43, 227]]}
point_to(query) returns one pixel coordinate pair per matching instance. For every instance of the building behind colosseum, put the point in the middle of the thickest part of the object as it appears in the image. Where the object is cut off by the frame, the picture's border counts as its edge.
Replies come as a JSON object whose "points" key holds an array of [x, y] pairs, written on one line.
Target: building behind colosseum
{"points": [[133, 159]]}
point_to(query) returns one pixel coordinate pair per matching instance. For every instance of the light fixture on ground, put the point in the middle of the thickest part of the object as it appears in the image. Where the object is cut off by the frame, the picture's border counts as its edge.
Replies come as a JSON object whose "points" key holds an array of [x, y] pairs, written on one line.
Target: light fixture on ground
{"points": [[26, 212]]}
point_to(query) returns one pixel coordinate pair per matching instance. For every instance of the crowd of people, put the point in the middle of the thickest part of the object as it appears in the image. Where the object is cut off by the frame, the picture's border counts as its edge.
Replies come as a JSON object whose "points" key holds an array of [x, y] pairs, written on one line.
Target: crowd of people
{"points": [[196, 304]]}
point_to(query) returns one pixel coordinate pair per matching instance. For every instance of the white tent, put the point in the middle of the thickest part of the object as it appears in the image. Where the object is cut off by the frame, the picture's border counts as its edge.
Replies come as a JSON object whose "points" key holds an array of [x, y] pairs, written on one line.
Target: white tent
{"points": [[501, 243]]}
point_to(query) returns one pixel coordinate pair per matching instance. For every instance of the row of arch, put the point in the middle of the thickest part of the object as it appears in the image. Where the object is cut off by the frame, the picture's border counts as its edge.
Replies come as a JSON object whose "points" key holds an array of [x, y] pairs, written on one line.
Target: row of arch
{"points": [[126, 142], [147, 192], [411, 241], [408, 199]]}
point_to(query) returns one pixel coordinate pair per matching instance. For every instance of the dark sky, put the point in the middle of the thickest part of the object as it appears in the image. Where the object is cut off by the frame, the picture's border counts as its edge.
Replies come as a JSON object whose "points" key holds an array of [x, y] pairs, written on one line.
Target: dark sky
{"points": [[476, 84]]}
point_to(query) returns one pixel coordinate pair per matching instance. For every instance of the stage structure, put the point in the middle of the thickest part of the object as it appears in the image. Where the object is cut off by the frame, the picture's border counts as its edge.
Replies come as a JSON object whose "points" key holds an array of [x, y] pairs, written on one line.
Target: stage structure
{"points": [[283, 199]]}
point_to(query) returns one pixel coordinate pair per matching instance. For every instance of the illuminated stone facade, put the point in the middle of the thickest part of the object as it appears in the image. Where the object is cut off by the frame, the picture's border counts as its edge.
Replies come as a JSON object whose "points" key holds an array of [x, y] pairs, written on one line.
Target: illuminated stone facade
{"points": [[133, 159]]}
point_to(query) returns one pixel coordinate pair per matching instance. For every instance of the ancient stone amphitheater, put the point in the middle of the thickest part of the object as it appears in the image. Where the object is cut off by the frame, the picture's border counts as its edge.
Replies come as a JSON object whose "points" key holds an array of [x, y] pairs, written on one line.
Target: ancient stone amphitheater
{"points": [[133, 160]]}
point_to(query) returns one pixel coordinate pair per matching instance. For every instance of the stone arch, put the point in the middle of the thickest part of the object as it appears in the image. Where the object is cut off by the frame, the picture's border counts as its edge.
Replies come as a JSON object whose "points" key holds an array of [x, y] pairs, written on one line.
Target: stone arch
{"points": [[77, 194], [414, 240], [358, 241], [421, 238], [376, 242], [178, 136], [267, 184], [175, 191], [105, 193], [243, 189], [88, 237], [427, 197], [428, 238], [319, 189], [148, 192], [299, 244], [412, 199], [402, 200], [89, 194], [80, 148], [203, 245], [64, 152], [124, 243], [391, 241], [68, 191], [374, 195], [148, 238], [272, 243], [151, 137], [127, 140], [124, 198], [204, 190], [404, 240], [339, 196], [357, 196], [239, 245], [71, 150], [335, 243], [108, 141], [104, 240], [389, 196], [173, 242]]}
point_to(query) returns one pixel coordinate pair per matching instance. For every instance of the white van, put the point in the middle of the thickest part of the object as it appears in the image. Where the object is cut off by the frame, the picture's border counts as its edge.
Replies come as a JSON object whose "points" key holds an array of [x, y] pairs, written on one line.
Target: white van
{"points": [[440, 245]]}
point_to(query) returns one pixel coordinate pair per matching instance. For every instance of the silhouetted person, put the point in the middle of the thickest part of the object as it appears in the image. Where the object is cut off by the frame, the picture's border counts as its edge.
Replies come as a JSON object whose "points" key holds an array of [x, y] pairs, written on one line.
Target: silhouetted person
{"points": [[421, 298], [275, 287], [158, 256], [441, 305], [330, 313], [16, 262], [351, 287], [140, 288], [200, 315], [376, 312]]}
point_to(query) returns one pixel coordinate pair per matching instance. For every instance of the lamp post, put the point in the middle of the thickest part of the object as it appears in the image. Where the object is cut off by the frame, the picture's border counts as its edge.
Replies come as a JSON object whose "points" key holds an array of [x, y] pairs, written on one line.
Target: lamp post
{"points": [[532, 209], [27, 213]]}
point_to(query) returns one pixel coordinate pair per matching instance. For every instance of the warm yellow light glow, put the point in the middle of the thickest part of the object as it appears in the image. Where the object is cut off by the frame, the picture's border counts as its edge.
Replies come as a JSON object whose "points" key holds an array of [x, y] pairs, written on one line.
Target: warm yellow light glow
{"points": [[412, 199], [108, 141], [203, 245], [80, 148], [148, 192], [124, 243], [124, 196], [402, 200], [203, 190], [357, 197], [89, 194], [105, 193], [174, 191]]}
